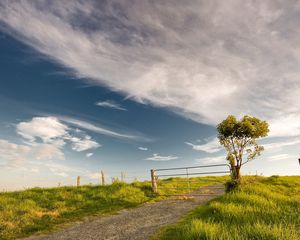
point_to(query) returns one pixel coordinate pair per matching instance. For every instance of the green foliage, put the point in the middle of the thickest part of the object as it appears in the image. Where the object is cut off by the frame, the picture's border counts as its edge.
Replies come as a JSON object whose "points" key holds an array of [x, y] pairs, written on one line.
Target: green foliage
{"points": [[263, 208], [239, 139]]}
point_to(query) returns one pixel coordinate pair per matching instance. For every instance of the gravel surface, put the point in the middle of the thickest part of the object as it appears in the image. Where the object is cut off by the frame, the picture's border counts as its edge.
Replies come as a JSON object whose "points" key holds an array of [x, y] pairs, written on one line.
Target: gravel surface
{"points": [[132, 224]]}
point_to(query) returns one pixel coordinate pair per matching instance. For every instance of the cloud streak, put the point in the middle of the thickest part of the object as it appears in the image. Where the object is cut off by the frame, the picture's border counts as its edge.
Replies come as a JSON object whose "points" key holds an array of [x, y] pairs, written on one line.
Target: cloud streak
{"points": [[279, 157], [143, 148], [157, 157], [99, 129], [209, 147], [110, 104], [189, 57]]}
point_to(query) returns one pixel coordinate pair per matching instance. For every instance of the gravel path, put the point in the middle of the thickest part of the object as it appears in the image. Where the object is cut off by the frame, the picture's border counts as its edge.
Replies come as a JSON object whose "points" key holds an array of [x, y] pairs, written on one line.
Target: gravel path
{"points": [[132, 224]]}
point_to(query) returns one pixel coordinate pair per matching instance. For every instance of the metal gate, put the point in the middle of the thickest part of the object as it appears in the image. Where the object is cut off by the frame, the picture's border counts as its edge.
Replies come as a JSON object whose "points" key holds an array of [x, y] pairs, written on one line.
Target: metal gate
{"points": [[189, 180]]}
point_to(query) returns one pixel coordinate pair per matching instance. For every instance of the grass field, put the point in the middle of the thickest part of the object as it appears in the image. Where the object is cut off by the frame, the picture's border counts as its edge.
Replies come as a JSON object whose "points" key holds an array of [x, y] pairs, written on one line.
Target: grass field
{"points": [[23, 213], [263, 209]]}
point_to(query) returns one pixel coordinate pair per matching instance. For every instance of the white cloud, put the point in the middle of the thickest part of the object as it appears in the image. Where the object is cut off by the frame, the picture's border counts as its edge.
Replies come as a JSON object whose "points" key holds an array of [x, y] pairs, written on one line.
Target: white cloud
{"points": [[80, 145], [157, 157], [17, 155], [45, 138], [89, 154], [212, 160], [285, 125], [47, 152], [143, 148], [45, 128], [13, 153], [54, 134], [110, 104], [204, 60], [209, 147]]}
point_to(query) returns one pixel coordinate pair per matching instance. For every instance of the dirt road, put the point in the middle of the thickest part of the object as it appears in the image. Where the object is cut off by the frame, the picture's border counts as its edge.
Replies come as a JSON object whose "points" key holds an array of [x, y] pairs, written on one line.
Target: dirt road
{"points": [[133, 224]]}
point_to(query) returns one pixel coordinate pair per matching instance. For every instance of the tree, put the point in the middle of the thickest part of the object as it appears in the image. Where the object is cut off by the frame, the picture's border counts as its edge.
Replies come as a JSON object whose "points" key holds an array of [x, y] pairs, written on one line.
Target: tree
{"points": [[239, 139]]}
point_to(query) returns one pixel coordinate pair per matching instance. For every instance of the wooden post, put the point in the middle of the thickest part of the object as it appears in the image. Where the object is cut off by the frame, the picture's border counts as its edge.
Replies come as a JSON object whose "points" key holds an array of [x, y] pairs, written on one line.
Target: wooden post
{"points": [[299, 160], [153, 181], [123, 175], [102, 178], [188, 180], [78, 181]]}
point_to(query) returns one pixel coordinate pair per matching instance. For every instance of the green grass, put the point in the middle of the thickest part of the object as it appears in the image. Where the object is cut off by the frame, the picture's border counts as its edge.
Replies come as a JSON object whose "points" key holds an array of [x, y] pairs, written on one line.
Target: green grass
{"points": [[173, 186], [263, 208], [37, 210]]}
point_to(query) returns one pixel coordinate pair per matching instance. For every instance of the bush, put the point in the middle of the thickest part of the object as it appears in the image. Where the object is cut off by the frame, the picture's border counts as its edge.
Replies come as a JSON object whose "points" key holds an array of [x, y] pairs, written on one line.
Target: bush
{"points": [[232, 185]]}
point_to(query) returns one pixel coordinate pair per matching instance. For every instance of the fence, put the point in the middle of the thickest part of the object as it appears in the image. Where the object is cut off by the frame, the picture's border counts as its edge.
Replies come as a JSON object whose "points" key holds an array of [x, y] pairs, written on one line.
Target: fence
{"points": [[105, 178], [188, 176]]}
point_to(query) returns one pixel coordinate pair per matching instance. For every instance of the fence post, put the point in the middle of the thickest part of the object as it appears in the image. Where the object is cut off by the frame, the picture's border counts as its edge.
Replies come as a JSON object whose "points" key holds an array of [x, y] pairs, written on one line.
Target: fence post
{"points": [[78, 181], [153, 181], [102, 178], [188, 180], [123, 175]]}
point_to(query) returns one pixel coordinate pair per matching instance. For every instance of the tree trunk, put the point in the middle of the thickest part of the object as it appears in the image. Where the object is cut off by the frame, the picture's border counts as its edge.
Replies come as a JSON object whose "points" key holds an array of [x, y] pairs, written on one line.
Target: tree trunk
{"points": [[237, 173]]}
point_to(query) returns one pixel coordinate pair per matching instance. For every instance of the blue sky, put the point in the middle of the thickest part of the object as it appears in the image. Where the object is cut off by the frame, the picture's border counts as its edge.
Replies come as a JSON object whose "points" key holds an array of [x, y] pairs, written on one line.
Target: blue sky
{"points": [[131, 86]]}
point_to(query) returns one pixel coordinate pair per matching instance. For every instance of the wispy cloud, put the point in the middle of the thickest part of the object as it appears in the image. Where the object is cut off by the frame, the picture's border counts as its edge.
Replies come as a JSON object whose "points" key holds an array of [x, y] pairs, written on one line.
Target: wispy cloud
{"points": [[59, 169], [14, 153], [89, 154], [281, 144], [143, 148], [80, 145], [281, 157], [157, 157], [99, 129], [18, 155], [212, 160], [209, 147], [111, 104], [141, 53]]}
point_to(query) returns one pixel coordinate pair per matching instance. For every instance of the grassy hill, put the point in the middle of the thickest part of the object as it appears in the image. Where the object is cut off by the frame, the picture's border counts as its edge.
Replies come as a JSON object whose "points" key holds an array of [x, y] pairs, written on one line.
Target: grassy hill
{"points": [[23, 213], [267, 208]]}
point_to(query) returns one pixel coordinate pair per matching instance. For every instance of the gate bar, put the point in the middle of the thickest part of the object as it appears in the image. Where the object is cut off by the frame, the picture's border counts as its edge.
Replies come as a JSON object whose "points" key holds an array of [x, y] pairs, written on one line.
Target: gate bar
{"points": [[184, 174], [203, 166]]}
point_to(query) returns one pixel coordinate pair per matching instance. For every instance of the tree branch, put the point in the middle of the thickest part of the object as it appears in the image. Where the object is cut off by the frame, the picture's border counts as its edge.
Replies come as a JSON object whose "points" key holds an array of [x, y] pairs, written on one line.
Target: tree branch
{"points": [[234, 150], [245, 162]]}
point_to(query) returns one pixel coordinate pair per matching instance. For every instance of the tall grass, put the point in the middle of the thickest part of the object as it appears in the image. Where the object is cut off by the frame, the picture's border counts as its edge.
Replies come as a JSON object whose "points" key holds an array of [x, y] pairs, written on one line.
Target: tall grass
{"points": [[268, 208], [24, 213]]}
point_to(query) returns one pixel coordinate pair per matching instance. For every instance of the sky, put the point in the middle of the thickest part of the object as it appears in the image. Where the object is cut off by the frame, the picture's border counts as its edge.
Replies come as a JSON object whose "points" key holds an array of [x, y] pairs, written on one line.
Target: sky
{"points": [[134, 85]]}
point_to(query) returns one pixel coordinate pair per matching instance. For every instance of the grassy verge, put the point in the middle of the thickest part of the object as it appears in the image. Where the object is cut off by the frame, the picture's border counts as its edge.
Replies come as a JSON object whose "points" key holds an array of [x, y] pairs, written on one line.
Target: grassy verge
{"points": [[268, 208], [23, 213]]}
